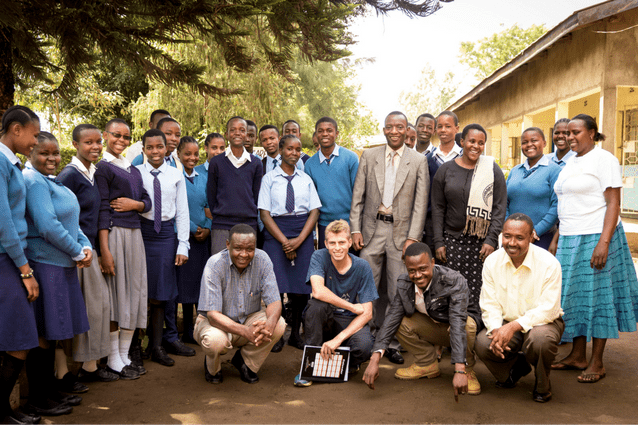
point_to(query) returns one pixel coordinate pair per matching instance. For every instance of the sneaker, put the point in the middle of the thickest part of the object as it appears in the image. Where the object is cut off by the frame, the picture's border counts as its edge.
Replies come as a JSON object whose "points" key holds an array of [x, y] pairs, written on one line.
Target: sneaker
{"points": [[301, 382], [473, 385], [418, 372]]}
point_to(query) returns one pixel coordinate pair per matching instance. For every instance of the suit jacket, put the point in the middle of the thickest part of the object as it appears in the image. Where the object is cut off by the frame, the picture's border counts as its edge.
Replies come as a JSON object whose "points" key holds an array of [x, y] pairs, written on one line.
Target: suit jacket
{"points": [[446, 301], [410, 203]]}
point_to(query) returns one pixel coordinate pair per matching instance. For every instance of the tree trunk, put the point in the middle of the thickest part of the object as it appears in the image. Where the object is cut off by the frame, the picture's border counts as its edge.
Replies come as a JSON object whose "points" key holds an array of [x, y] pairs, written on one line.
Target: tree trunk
{"points": [[7, 86]]}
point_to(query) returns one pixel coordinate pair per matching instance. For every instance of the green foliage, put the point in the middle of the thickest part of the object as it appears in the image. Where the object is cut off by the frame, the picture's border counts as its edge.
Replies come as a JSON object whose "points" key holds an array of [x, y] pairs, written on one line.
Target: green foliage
{"points": [[432, 94], [490, 53]]}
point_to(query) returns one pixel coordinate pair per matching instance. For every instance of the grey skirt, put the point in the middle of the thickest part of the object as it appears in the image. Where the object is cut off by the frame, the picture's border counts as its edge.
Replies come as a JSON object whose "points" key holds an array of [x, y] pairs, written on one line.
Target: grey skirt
{"points": [[95, 343], [128, 289]]}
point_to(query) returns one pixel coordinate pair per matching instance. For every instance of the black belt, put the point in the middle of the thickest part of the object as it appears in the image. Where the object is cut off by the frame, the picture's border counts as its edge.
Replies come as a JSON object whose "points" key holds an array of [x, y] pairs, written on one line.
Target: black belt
{"points": [[387, 218]]}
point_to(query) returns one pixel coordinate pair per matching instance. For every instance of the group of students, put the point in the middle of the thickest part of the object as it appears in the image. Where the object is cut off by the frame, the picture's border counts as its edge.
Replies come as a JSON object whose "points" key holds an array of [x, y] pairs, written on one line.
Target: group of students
{"points": [[154, 218]]}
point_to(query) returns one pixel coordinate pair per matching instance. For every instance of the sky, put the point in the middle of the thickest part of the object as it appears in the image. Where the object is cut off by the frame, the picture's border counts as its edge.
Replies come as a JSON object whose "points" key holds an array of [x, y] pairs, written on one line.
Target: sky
{"points": [[403, 46]]}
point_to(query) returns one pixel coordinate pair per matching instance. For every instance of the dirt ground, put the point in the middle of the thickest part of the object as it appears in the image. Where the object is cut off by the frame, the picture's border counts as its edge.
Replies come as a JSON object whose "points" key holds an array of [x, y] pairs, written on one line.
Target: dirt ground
{"points": [[180, 394]]}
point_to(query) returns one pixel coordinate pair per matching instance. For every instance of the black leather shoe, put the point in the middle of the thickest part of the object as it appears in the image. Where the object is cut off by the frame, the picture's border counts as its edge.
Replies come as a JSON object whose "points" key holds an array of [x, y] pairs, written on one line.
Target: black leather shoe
{"points": [[69, 384], [100, 375], [279, 345], [138, 368], [218, 378], [245, 373], [178, 348], [127, 373], [158, 355], [146, 354], [135, 354], [394, 356], [520, 369], [542, 397], [17, 417], [49, 408], [68, 399]]}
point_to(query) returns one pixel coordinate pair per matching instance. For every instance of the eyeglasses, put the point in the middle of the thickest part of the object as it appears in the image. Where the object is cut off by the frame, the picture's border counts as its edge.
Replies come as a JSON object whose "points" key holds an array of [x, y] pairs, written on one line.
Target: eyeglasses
{"points": [[118, 135]]}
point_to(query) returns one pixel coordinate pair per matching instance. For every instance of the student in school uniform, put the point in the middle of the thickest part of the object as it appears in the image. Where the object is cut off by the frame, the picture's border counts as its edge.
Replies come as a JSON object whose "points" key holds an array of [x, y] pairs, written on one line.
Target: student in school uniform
{"points": [[214, 144], [294, 128], [136, 148], [269, 138], [18, 331], [189, 276], [122, 254], [55, 247], [78, 176], [173, 132], [289, 207], [164, 248], [233, 186]]}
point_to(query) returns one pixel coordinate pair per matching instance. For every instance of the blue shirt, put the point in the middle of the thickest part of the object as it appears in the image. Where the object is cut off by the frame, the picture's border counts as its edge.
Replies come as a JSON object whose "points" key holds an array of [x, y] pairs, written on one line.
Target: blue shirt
{"points": [[53, 217], [237, 295], [355, 286], [13, 195], [563, 161], [334, 182], [531, 191], [197, 202], [274, 190]]}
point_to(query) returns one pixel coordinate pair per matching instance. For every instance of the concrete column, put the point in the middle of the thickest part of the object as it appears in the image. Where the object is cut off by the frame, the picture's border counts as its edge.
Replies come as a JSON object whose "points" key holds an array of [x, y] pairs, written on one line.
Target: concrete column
{"points": [[505, 154], [562, 110]]}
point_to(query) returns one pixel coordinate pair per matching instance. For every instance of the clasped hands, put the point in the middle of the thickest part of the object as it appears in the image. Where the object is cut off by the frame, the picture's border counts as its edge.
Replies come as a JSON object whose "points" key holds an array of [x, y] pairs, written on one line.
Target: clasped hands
{"points": [[258, 332], [501, 337], [290, 247]]}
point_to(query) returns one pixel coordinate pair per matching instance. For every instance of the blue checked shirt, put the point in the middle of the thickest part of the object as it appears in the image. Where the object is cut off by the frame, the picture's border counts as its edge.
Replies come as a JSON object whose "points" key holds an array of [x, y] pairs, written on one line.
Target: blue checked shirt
{"points": [[237, 296]]}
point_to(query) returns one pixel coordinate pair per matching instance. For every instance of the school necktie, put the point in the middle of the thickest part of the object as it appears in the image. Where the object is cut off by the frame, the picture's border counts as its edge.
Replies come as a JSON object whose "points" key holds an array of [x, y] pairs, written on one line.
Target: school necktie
{"points": [[167, 159], [290, 195], [330, 158], [390, 175], [19, 165], [157, 201], [274, 164], [190, 179]]}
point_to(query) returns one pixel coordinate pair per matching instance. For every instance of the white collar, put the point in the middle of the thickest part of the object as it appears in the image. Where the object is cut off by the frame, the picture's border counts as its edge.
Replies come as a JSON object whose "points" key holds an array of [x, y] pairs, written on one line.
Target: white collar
{"points": [[108, 157], [162, 168], [80, 166], [10, 155], [194, 174], [455, 149], [244, 156], [335, 152], [279, 172], [399, 151], [543, 161]]}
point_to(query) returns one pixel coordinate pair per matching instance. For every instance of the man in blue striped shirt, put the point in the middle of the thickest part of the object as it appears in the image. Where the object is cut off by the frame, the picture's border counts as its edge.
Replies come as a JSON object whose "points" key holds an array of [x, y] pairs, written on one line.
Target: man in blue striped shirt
{"points": [[235, 282]]}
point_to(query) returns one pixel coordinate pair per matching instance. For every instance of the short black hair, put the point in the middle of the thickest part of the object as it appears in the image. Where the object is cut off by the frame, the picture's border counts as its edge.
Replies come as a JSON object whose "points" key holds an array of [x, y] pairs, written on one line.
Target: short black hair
{"points": [[165, 120], [212, 136], [474, 126], [241, 229], [236, 117], [267, 127], [426, 115], [521, 217], [185, 141], [397, 113], [287, 137], [115, 121], [418, 248], [77, 131], [250, 123], [153, 133], [534, 129], [449, 114], [288, 122], [45, 136], [328, 120], [159, 111], [17, 114]]}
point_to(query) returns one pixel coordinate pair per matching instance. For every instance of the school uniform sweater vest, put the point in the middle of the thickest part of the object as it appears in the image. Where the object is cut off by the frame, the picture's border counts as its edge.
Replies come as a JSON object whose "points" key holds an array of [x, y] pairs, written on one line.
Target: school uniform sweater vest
{"points": [[88, 197]]}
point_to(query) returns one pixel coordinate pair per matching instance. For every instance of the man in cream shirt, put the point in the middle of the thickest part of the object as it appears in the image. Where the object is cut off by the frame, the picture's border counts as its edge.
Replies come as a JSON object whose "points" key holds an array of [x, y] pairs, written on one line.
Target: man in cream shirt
{"points": [[520, 303]]}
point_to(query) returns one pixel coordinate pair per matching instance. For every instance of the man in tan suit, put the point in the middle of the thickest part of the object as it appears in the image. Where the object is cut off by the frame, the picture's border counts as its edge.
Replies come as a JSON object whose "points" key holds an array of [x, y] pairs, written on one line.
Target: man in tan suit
{"points": [[389, 202]]}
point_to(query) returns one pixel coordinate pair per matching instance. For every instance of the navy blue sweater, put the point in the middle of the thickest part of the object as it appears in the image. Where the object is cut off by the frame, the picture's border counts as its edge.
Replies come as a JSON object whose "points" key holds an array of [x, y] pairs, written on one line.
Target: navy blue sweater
{"points": [[233, 192], [88, 197], [114, 182]]}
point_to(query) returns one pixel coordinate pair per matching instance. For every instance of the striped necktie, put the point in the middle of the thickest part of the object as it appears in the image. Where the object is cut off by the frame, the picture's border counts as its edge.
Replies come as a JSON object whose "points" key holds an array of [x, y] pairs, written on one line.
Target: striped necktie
{"points": [[290, 195], [157, 201], [330, 158]]}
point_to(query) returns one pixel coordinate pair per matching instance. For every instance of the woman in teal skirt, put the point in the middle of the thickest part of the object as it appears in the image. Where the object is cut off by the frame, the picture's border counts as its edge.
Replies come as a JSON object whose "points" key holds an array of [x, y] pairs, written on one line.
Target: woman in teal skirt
{"points": [[600, 289]]}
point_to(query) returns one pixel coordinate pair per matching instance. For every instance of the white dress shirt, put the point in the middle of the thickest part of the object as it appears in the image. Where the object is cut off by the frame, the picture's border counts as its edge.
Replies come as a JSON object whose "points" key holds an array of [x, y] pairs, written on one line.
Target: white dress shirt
{"points": [[322, 158], [237, 162], [270, 163], [174, 200], [273, 192], [455, 152], [119, 161], [82, 169]]}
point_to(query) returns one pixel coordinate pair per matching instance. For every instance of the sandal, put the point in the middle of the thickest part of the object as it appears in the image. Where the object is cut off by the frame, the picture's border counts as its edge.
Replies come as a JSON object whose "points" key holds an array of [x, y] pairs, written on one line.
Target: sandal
{"points": [[565, 366], [591, 378]]}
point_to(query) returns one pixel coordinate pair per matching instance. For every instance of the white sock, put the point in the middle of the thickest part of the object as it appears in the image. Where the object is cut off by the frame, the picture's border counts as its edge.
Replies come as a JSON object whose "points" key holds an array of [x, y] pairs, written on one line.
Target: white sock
{"points": [[126, 336], [90, 366], [115, 361], [61, 367]]}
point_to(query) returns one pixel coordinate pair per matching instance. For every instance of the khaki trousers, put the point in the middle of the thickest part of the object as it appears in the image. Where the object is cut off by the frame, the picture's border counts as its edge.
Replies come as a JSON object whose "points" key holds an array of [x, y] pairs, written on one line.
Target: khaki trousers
{"points": [[419, 334], [539, 345], [216, 342]]}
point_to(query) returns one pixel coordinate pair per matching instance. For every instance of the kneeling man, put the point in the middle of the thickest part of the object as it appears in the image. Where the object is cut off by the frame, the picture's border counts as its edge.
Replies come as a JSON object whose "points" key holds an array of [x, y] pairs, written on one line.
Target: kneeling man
{"points": [[520, 300], [342, 293], [235, 282], [431, 308]]}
